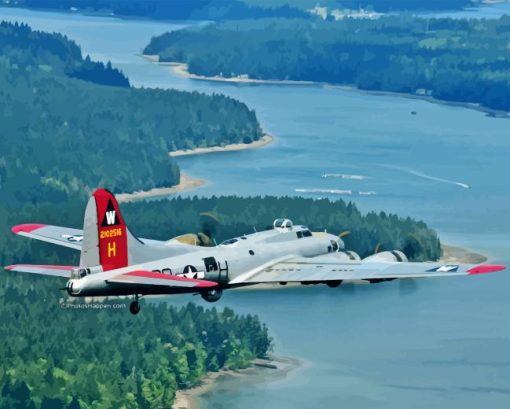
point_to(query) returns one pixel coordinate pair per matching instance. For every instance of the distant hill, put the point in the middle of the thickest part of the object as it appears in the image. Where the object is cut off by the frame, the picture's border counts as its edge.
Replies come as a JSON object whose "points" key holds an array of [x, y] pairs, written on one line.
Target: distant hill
{"points": [[449, 59], [64, 131], [168, 9], [217, 10], [24, 47]]}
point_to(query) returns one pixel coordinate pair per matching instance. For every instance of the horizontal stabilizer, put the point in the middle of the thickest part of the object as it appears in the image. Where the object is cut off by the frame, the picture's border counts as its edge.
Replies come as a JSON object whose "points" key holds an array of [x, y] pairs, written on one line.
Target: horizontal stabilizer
{"points": [[63, 236], [141, 277], [56, 271]]}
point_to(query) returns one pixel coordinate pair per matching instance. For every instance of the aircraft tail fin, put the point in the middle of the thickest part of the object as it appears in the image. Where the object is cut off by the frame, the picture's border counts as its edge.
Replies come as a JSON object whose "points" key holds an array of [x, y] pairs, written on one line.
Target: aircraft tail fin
{"points": [[107, 242]]}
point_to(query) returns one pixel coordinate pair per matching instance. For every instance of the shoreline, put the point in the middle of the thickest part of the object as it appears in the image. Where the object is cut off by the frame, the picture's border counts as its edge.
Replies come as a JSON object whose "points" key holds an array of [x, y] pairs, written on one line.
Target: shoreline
{"points": [[280, 367], [265, 140], [181, 69], [457, 254], [259, 370], [186, 183]]}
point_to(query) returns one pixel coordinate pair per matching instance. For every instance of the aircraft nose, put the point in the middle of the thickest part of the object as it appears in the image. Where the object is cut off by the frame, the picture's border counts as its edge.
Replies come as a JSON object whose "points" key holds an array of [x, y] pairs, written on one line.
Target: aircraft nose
{"points": [[73, 287]]}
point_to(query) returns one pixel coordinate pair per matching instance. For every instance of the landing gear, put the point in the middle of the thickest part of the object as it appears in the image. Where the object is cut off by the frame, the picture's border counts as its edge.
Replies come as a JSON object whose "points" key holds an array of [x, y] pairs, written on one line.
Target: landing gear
{"points": [[134, 307], [212, 295], [333, 284]]}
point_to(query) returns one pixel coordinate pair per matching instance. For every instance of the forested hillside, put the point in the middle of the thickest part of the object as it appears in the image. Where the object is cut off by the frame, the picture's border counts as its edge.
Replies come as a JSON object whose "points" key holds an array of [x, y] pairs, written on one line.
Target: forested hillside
{"points": [[22, 47], [376, 5], [231, 9], [55, 356], [448, 59], [63, 135], [168, 9]]}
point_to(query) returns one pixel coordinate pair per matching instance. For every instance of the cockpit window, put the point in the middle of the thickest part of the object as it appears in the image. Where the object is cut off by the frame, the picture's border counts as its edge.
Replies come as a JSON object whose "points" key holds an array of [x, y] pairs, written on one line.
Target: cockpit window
{"points": [[278, 222], [230, 241], [307, 233], [299, 234]]}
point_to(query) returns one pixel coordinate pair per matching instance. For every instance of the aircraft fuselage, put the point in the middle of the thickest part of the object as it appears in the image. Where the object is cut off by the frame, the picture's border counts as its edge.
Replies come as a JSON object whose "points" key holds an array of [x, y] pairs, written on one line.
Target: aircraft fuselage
{"points": [[233, 258]]}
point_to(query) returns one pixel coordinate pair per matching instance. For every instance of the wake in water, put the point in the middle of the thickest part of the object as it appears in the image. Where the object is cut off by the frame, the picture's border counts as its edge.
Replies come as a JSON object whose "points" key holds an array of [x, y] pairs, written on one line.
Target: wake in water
{"points": [[343, 176], [429, 177], [335, 192], [327, 191]]}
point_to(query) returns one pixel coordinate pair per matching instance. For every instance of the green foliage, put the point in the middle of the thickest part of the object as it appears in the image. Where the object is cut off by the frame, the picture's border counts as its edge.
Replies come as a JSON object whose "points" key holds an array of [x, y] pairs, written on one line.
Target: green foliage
{"points": [[88, 358], [449, 59], [22, 47], [62, 136], [171, 9]]}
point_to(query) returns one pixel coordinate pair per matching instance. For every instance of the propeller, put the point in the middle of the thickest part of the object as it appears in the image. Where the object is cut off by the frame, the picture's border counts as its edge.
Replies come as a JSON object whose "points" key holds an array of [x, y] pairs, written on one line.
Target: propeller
{"points": [[209, 223], [205, 237], [344, 234], [407, 286]]}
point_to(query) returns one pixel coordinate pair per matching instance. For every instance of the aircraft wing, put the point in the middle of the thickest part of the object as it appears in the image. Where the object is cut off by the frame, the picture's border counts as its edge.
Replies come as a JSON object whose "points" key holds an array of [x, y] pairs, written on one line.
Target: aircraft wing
{"points": [[326, 268], [62, 236], [151, 278], [56, 271]]}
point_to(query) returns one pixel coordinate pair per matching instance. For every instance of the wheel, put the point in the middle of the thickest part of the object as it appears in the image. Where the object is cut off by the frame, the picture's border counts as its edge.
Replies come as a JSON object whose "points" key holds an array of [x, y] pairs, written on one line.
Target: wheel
{"points": [[333, 284], [134, 307]]}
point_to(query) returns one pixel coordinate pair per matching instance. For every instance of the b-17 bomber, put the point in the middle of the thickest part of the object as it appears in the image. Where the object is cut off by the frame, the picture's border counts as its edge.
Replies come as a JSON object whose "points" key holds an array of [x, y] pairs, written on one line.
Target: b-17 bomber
{"points": [[113, 262]]}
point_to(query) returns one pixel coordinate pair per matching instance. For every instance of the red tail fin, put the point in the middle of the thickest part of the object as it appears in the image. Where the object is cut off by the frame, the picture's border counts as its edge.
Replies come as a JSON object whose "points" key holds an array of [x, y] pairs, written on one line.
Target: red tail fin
{"points": [[112, 231]]}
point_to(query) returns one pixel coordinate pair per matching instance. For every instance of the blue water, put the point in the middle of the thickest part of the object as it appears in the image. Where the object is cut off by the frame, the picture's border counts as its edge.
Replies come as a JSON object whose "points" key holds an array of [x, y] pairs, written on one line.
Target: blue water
{"points": [[447, 345], [481, 11]]}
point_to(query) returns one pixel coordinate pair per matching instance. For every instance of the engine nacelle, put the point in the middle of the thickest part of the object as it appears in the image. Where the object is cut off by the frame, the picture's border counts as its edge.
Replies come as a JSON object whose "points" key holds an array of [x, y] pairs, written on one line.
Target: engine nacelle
{"points": [[344, 256], [212, 295], [394, 256]]}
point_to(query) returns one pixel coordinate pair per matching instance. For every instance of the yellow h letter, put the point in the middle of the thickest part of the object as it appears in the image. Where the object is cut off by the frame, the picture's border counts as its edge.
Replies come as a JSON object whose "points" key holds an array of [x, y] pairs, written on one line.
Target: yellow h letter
{"points": [[112, 249]]}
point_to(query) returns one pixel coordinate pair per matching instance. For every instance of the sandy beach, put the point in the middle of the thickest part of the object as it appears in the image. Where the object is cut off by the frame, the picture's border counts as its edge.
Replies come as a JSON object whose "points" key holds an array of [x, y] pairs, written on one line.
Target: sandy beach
{"points": [[265, 140], [454, 254], [261, 370], [187, 183], [182, 70]]}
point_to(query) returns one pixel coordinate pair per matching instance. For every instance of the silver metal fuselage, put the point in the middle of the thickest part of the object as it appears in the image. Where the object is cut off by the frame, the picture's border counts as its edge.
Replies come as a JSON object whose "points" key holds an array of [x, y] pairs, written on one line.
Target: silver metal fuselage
{"points": [[242, 256]]}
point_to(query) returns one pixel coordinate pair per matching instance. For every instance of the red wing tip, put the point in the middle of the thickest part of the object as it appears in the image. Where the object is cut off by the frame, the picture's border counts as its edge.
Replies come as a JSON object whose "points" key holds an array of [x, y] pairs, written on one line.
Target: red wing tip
{"points": [[26, 228], [486, 268], [9, 268]]}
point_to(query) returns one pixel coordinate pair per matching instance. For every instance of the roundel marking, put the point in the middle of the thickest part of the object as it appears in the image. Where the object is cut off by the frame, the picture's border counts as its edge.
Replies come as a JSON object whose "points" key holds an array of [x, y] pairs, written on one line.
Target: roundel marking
{"points": [[190, 271]]}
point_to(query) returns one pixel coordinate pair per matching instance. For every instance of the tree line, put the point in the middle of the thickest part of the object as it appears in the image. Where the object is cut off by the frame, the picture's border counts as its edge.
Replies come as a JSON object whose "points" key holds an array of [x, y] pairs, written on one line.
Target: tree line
{"points": [[62, 135], [234, 216], [216, 10], [171, 9], [449, 59]]}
